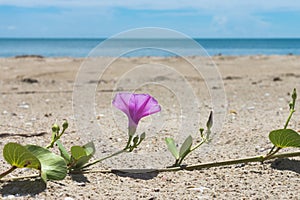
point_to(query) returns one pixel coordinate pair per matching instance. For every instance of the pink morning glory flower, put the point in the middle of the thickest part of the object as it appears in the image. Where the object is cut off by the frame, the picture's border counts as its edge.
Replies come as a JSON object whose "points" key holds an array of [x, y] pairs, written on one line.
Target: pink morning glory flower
{"points": [[135, 106]]}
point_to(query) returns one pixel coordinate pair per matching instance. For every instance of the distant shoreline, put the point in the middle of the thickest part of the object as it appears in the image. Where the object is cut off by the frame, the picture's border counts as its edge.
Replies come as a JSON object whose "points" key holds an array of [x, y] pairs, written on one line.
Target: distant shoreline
{"points": [[35, 56], [80, 48]]}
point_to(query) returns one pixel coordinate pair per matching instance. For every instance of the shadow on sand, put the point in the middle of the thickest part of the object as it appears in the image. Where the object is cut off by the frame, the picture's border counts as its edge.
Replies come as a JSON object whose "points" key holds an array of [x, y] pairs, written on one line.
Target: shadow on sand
{"points": [[79, 178], [22, 187], [286, 164], [144, 174]]}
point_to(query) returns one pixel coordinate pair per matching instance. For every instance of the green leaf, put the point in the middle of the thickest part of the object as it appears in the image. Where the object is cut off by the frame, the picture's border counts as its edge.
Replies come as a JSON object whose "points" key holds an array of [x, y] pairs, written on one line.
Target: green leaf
{"points": [[63, 152], [18, 156], [172, 147], [44, 176], [53, 167], [89, 149], [81, 155], [185, 147], [283, 138], [77, 152]]}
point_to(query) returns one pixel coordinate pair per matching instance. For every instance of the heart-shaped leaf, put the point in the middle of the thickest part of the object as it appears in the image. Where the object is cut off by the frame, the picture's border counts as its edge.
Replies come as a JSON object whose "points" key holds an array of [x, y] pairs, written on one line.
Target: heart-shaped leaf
{"points": [[53, 167], [283, 138], [81, 155], [89, 149], [186, 147], [77, 152], [18, 156], [172, 147]]}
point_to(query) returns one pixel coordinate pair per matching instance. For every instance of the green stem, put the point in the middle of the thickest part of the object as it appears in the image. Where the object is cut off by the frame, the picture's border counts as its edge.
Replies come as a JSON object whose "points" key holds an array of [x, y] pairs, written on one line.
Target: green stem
{"points": [[289, 118], [271, 153], [128, 142], [198, 145], [112, 155], [189, 167], [230, 162], [56, 138], [101, 159], [50, 145], [8, 171], [179, 161], [53, 141], [199, 166]]}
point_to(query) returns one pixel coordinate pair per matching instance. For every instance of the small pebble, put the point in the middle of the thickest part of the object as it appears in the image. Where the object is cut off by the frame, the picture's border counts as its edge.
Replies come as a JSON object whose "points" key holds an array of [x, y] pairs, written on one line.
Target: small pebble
{"points": [[240, 165], [28, 124], [48, 115], [99, 116], [251, 108], [81, 184], [68, 198], [24, 105], [277, 79], [233, 112], [199, 189], [10, 197]]}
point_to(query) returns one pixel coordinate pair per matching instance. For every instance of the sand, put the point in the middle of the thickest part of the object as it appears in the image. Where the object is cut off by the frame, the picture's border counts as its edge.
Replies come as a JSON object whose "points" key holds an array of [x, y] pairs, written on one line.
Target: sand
{"points": [[36, 92]]}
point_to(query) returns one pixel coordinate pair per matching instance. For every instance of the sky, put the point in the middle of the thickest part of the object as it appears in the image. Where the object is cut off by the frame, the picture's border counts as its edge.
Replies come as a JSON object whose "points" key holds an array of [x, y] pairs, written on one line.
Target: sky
{"points": [[195, 18]]}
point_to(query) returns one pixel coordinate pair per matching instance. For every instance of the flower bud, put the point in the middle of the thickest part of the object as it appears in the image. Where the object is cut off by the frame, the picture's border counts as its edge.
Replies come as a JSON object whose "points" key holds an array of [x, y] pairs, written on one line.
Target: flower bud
{"points": [[294, 95], [135, 141], [65, 125], [143, 136], [291, 105], [201, 131], [55, 128], [209, 123]]}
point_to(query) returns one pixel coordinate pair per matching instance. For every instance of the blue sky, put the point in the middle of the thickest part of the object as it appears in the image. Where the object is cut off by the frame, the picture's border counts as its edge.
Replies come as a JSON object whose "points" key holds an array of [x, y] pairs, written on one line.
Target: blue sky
{"points": [[195, 18]]}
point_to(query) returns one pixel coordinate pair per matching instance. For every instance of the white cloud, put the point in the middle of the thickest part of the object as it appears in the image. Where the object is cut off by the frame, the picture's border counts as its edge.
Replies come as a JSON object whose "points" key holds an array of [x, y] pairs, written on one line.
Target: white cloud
{"points": [[241, 24], [207, 5], [220, 21], [225, 18], [11, 28]]}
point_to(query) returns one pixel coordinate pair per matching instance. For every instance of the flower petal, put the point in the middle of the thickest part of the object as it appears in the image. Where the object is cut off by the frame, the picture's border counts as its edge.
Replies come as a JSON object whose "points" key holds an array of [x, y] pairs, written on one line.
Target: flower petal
{"points": [[142, 105], [121, 101], [136, 106]]}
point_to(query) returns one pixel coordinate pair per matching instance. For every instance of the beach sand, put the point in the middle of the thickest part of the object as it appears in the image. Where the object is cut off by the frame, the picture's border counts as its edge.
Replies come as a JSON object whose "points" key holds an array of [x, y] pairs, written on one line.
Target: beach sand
{"points": [[36, 92]]}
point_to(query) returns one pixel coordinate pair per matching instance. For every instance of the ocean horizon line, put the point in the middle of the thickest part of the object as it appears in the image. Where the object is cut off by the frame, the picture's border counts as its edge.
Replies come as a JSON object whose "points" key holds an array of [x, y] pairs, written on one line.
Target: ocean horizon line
{"points": [[158, 38], [140, 47]]}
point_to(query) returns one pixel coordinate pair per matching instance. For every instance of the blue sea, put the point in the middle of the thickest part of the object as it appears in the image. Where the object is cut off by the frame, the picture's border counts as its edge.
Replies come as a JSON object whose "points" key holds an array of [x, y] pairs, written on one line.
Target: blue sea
{"points": [[155, 47]]}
